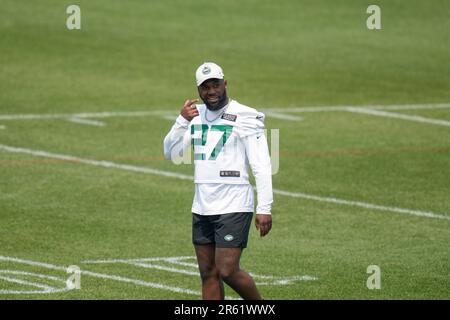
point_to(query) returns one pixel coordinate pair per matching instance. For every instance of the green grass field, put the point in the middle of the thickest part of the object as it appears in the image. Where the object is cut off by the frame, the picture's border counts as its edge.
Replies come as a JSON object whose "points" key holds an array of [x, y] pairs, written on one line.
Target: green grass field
{"points": [[354, 188]]}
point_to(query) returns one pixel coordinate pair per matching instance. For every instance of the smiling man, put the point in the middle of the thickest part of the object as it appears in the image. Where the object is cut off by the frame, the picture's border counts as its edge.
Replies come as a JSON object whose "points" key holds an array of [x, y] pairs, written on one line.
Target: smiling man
{"points": [[227, 137]]}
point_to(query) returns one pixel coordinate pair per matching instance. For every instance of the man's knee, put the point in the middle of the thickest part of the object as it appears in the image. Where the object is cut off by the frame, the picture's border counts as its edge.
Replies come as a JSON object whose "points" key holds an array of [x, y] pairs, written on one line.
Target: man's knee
{"points": [[227, 272], [227, 261], [209, 272]]}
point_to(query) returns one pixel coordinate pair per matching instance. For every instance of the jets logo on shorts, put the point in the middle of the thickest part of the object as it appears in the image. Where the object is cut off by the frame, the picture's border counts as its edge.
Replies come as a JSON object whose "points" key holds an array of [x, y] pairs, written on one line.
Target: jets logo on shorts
{"points": [[206, 70], [228, 237]]}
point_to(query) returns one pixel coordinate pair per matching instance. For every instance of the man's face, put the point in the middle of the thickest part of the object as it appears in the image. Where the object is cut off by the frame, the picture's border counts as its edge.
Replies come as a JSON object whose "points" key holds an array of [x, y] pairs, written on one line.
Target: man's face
{"points": [[214, 93]]}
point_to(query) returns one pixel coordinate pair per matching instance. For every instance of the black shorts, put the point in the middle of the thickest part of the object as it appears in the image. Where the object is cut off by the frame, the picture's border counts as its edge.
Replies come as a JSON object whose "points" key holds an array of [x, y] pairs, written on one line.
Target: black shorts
{"points": [[229, 230]]}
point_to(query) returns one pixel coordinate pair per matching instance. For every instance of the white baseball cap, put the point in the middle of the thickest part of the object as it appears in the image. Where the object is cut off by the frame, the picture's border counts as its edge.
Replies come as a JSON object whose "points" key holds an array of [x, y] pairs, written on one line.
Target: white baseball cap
{"points": [[208, 70]]}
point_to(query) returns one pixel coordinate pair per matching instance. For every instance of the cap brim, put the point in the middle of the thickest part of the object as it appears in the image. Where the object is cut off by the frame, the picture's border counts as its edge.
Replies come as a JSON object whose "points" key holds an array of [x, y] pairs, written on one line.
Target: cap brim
{"points": [[199, 84]]}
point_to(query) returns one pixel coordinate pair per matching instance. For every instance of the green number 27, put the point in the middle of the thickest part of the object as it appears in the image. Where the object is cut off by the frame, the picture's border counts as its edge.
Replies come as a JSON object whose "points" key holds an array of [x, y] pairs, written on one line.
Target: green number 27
{"points": [[202, 141]]}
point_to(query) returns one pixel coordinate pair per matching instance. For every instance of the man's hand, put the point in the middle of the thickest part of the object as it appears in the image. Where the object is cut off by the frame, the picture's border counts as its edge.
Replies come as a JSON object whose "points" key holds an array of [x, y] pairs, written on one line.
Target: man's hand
{"points": [[189, 111], [263, 223]]}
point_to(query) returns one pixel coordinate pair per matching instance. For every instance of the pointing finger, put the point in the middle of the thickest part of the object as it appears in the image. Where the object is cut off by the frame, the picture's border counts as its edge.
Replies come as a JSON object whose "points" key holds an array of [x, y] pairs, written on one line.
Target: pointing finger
{"points": [[191, 102]]}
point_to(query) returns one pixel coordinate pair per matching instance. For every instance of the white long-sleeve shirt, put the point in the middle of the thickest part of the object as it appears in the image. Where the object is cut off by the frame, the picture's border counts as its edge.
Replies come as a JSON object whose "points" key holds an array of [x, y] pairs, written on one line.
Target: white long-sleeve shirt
{"points": [[226, 142]]}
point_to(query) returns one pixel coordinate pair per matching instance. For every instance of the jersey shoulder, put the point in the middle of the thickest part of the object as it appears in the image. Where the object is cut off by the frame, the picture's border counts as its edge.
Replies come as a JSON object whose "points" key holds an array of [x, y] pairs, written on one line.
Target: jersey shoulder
{"points": [[249, 121], [242, 110]]}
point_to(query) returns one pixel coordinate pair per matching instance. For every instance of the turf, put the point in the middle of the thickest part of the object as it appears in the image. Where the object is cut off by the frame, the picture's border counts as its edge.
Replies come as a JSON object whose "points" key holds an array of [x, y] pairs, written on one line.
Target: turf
{"points": [[141, 56]]}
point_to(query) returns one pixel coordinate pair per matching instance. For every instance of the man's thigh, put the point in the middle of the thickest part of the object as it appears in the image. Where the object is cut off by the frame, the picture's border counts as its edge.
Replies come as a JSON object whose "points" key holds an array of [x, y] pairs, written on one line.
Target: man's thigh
{"points": [[232, 229], [205, 257], [203, 229], [228, 258]]}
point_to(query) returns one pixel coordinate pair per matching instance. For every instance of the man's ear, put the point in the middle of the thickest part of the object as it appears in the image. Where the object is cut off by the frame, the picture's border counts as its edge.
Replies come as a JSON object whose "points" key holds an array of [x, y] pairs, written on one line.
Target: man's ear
{"points": [[225, 82]]}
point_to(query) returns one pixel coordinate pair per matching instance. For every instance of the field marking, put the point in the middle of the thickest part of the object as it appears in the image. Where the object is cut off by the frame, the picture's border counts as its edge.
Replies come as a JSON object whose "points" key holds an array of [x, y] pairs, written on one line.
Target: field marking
{"points": [[147, 265], [426, 106], [87, 121], [2, 127], [270, 279], [108, 164], [414, 118], [46, 288], [282, 116], [419, 213], [171, 115], [176, 260], [359, 152], [139, 259], [82, 115], [331, 153], [104, 276]]}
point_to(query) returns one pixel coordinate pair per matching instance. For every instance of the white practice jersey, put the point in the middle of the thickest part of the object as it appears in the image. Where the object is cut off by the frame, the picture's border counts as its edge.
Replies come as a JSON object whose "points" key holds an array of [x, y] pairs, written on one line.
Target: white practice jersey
{"points": [[225, 143]]}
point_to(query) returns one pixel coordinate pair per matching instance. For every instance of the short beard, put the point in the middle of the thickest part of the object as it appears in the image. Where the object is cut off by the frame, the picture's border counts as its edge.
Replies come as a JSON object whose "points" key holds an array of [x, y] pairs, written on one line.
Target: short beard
{"points": [[222, 102]]}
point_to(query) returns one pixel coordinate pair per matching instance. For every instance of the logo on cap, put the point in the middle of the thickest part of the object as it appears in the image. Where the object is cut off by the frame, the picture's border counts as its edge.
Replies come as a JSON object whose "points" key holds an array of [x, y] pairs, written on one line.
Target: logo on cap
{"points": [[206, 70]]}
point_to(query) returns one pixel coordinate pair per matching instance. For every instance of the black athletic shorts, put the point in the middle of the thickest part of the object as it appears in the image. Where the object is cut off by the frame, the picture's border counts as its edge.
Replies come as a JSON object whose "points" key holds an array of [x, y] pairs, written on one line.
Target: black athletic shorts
{"points": [[229, 230]]}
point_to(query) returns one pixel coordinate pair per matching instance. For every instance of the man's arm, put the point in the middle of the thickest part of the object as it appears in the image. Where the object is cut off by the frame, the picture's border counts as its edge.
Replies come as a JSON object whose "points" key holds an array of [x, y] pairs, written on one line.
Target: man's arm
{"points": [[259, 160], [173, 142]]}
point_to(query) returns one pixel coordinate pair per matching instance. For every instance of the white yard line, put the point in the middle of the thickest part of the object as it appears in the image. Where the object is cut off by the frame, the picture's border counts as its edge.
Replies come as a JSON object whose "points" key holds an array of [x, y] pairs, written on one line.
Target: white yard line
{"points": [[144, 262], [273, 280], [169, 117], [28, 283], [141, 283], [138, 260], [83, 115], [170, 174], [305, 109], [282, 116], [418, 213], [104, 276], [184, 264], [426, 106], [87, 121], [164, 268], [37, 275], [414, 118], [105, 164], [277, 112], [46, 289]]}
